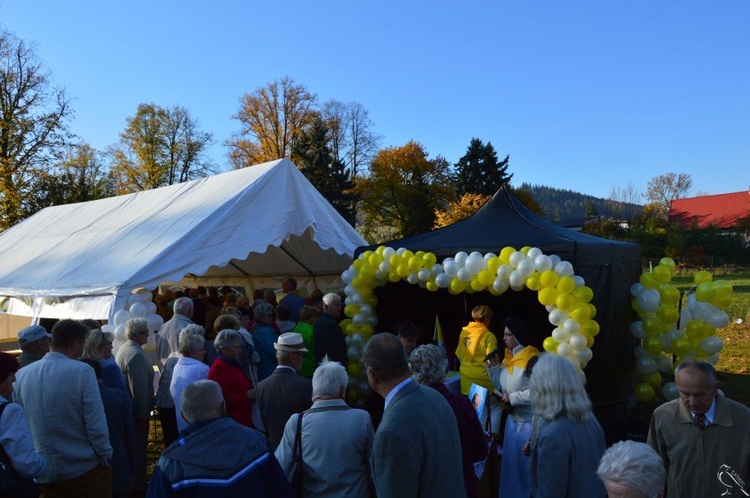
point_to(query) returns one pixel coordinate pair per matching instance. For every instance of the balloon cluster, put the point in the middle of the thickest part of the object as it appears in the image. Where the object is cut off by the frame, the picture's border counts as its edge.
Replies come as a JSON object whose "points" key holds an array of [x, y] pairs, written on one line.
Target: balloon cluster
{"points": [[673, 327], [565, 295], [138, 305]]}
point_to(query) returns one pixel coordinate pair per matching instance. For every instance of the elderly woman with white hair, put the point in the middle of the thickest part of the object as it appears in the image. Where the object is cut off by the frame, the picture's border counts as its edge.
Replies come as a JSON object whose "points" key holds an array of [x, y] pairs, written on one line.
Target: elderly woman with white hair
{"points": [[428, 367], [264, 336], [632, 470], [235, 382], [189, 366], [567, 442]]}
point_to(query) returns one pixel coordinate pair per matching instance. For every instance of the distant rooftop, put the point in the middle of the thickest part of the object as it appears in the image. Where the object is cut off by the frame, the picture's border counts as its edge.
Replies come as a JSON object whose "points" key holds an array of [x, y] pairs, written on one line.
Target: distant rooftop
{"points": [[720, 211]]}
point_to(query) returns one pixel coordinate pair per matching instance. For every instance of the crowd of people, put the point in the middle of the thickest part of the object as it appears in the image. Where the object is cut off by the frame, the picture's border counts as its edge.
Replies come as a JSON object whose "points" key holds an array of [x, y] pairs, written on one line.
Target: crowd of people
{"points": [[256, 405]]}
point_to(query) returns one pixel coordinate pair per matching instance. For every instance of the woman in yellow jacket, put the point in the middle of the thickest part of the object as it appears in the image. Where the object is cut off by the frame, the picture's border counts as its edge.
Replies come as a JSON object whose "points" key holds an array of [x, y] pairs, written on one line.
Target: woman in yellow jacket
{"points": [[474, 344]]}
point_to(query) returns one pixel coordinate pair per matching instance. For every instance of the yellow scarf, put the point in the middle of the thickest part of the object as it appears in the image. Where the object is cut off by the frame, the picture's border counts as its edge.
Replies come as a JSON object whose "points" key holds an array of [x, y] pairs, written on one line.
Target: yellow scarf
{"points": [[469, 340], [519, 360]]}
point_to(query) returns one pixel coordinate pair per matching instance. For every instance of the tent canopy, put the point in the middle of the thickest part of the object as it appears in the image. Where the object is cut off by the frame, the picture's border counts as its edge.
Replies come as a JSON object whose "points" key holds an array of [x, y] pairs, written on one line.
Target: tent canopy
{"points": [[609, 267], [263, 222]]}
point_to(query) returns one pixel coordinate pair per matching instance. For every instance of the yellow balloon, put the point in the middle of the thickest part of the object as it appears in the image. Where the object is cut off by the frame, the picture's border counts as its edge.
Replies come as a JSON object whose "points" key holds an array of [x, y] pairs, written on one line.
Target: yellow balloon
{"points": [[721, 300], [647, 280], [457, 286], [429, 260], [486, 277], [581, 313], [652, 345], [534, 282], [375, 260], [395, 260], [393, 276], [493, 264], [431, 286], [566, 284], [653, 380], [590, 328], [407, 255], [525, 249], [351, 309], [550, 345], [705, 291], [549, 278], [669, 294], [565, 302], [583, 294], [548, 296], [644, 392], [668, 314], [702, 277], [669, 263], [593, 310], [380, 250], [505, 255], [680, 346], [357, 264], [415, 263], [662, 274], [402, 270]]}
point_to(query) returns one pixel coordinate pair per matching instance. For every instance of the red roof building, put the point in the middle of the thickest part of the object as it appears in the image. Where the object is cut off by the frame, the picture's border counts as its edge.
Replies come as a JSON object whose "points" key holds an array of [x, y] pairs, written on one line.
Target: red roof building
{"points": [[718, 211]]}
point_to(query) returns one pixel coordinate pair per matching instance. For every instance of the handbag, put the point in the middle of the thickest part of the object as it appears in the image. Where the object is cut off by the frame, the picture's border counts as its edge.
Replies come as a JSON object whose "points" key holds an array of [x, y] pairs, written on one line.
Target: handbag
{"points": [[12, 485]]}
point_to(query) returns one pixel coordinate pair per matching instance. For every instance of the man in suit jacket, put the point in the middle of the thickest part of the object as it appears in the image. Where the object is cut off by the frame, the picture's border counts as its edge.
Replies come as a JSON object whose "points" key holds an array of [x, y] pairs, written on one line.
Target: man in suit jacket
{"points": [[327, 335], [139, 381], [284, 392], [416, 452]]}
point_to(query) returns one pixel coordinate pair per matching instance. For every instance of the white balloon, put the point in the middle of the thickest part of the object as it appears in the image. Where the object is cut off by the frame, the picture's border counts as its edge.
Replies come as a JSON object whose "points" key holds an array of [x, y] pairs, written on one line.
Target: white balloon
{"points": [[146, 295], [358, 340], [713, 359], [150, 307], [639, 351], [371, 320], [685, 318], [365, 310], [154, 322], [533, 253], [450, 267], [578, 341], [712, 345], [649, 300], [388, 252], [355, 298], [558, 316], [358, 319], [401, 250], [526, 268], [579, 281], [464, 275], [133, 298], [475, 263], [584, 356], [571, 326], [437, 269], [664, 363], [489, 256], [564, 269], [560, 335], [636, 289], [384, 266], [412, 278], [717, 318], [500, 285], [516, 258], [647, 365], [120, 333], [137, 310], [566, 350], [555, 259], [504, 271], [443, 280], [424, 274], [670, 391], [543, 263], [636, 330], [121, 317], [516, 280], [110, 327], [346, 276], [460, 258]]}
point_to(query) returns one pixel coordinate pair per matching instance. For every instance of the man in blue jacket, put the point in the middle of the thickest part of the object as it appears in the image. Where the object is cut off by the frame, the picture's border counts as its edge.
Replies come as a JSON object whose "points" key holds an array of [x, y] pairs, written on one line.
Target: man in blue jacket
{"points": [[216, 456]]}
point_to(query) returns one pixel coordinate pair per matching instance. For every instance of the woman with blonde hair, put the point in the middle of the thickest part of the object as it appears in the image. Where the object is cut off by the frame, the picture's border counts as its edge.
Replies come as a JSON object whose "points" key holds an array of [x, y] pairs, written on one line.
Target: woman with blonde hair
{"points": [[98, 346], [567, 442], [474, 344]]}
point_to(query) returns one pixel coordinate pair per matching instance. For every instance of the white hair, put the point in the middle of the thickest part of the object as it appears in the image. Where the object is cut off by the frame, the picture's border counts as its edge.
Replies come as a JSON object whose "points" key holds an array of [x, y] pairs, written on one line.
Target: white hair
{"points": [[182, 305], [135, 326], [330, 298], [190, 338], [557, 389], [328, 380], [226, 338], [635, 465], [428, 365], [201, 400]]}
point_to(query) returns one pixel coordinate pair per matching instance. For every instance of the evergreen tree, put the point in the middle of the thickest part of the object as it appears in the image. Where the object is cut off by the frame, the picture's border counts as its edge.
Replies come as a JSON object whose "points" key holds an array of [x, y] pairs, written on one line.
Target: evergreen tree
{"points": [[328, 175], [479, 172], [591, 211]]}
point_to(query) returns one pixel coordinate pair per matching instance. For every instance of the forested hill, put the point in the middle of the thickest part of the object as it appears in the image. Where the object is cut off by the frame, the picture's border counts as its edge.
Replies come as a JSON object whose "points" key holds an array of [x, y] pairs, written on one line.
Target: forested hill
{"points": [[559, 204]]}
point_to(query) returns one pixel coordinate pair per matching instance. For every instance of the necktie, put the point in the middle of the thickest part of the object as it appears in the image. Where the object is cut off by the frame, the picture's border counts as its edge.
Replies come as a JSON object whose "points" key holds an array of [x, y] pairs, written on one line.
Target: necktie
{"points": [[700, 418]]}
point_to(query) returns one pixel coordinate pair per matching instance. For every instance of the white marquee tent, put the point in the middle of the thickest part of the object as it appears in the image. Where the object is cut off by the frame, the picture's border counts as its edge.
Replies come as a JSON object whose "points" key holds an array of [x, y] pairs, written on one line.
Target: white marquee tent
{"points": [[250, 228]]}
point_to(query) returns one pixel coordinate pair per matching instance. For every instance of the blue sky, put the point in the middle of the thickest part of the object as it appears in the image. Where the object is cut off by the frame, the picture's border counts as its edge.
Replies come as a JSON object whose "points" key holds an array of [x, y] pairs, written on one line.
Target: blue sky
{"points": [[583, 95]]}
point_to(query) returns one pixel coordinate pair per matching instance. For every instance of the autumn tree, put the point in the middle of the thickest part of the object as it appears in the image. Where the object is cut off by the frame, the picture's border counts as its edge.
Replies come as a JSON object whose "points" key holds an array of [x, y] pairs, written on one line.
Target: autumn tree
{"points": [[79, 176], [624, 201], [33, 116], [404, 189], [456, 211], [272, 118], [327, 174], [479, 171], [160, 146], [663, 189], [353, 140]]}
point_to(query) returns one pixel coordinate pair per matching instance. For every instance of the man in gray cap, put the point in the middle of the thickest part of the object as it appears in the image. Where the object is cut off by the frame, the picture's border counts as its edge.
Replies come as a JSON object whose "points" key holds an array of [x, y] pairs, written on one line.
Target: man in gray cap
{"points": [[34, 343], [284, 392]]}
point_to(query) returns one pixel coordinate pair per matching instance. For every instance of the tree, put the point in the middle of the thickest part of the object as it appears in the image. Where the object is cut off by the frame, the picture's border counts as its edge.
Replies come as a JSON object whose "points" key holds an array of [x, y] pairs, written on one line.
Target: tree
{"points": [[160, 146], [624, 201], [591, 211], [404, 189], [479, 172], [352, 139], [272, 118], [459, 210], [663, 189], [327, 174], [33, 118], [81, 176]]}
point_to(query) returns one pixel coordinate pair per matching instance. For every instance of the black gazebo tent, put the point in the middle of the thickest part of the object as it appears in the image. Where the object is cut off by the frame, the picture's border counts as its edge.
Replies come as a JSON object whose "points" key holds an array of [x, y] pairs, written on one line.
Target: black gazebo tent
{"points": [[608, 267]]}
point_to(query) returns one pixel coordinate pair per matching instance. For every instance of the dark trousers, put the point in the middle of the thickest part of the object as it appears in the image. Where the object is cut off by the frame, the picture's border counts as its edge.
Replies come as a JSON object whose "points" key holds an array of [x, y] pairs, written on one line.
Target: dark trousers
{"points": [[168, 419], [95, 482]]}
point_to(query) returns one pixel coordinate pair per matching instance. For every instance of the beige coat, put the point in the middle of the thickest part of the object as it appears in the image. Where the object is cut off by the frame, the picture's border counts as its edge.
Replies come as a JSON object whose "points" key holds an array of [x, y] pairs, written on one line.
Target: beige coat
{"points": [[703, 464]]}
